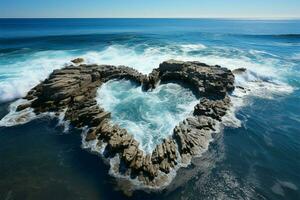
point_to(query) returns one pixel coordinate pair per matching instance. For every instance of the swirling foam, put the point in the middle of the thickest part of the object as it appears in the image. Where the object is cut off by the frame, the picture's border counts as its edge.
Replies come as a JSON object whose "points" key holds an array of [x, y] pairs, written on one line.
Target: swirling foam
{"points": [[14, 118], [20, 75], [148, 116]]}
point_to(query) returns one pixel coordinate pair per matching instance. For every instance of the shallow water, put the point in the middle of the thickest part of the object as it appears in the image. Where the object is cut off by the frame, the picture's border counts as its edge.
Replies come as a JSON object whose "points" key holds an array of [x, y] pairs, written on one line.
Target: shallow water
{"points": [[258, 157]]}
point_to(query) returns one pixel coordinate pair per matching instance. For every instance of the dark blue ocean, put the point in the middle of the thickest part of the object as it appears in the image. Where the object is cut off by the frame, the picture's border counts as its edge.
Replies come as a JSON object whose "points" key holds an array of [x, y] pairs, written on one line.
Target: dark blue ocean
{"points": [[255, 156]]}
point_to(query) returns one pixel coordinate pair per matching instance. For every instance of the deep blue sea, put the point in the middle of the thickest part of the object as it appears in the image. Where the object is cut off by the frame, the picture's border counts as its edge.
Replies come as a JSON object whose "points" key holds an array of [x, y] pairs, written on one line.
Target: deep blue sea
{"points": [[255, 156]]}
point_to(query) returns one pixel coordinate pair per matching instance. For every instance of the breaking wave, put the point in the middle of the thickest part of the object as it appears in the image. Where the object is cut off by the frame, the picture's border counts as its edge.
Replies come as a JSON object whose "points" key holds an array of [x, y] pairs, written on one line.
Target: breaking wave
{"points": [[19, 75], [15, 118]]}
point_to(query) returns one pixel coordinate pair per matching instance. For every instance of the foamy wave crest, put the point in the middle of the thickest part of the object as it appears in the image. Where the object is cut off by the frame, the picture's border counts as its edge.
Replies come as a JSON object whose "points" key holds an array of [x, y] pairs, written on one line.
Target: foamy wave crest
{"points": [[92, 145], [14, 117], [296, 57], [143, 60], [24, 74], [192, 47], [65, 124], [149, 57], [250, 84]]}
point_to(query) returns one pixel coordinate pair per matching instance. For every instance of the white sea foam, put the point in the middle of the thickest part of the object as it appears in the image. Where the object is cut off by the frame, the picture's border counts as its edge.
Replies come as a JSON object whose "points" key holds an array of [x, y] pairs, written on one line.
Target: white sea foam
{"points": [[264, 77], [250, 84], [93, 145], [98, 147], [162, 179], [148, 116], [262, 53], [62, 122], [296, 57], [22, 74], [192, 47], [14, 117], [25, 73], [279, 186]]}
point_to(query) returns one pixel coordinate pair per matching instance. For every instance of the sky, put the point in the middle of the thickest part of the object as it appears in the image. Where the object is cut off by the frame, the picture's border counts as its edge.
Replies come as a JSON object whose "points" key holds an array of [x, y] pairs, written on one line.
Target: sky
{"points": [[150, 8]]}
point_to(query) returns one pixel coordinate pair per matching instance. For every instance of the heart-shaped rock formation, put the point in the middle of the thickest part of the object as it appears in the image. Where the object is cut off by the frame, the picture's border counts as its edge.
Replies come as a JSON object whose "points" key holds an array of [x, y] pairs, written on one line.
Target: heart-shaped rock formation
{"points": [[73, 90]]}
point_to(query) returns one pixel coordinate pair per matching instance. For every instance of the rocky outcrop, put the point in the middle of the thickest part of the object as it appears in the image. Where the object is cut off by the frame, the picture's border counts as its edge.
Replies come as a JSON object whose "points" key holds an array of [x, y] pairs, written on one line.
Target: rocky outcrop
{"points": [[206, 80], [72, 90], [77, 60]]}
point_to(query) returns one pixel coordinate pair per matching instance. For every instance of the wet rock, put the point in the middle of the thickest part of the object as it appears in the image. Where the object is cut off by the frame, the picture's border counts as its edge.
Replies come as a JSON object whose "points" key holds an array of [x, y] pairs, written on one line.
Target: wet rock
{"points": [[77, 60], [97, 119], [215, 109], [205, 79], [23, 106], [73, 90], [91, 135], [137, 163], [129, 153], [79, 98]]}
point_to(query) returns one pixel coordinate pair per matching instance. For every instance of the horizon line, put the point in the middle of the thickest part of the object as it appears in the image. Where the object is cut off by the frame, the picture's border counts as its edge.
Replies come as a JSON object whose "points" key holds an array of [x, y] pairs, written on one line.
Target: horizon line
{"points": [[226, 18]]}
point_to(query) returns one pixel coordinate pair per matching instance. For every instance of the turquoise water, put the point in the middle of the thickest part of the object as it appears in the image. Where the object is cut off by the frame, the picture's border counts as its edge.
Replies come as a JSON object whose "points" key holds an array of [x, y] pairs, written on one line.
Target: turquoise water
{"points": [[149, 116], [257, 154]]}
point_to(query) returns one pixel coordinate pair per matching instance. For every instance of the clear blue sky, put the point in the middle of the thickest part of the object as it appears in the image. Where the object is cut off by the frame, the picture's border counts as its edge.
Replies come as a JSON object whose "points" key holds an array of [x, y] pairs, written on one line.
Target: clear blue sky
{"points": [[151, 8]]}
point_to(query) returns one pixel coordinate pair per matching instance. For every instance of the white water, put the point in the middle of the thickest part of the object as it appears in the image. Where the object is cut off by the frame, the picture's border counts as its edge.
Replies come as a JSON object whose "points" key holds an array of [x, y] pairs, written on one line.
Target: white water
{"points": [[148, 116], [14, 118], [264, 79], [20, 75]]}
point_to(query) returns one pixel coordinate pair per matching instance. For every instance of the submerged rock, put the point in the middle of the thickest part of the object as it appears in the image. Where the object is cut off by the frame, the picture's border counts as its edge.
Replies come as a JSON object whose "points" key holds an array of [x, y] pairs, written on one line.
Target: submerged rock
{"points": [[73, 90], [23, 106]]}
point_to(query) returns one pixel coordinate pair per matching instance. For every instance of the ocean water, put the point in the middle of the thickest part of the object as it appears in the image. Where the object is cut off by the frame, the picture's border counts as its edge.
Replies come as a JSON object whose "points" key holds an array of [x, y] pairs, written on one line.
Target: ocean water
{"points": [[255, 156]]}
